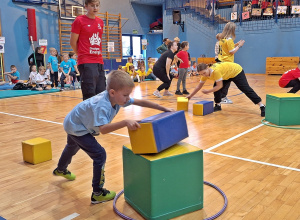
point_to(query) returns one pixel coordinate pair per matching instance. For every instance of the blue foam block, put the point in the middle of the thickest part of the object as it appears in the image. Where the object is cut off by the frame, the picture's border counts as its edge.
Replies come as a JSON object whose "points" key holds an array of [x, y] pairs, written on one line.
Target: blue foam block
{"points": [[168, 127], [208, 106]]}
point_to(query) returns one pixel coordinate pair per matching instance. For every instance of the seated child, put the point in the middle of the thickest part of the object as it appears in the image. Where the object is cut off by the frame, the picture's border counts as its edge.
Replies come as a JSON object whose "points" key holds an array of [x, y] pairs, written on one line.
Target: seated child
{"points": [[149, 74], [65, 67], [48, 72], [120, 67], [41, 82], [92, 117], [13, 76], [141, 73], [32, 75], [193, 70], [290, 79], [74, 68], [133, 74]]}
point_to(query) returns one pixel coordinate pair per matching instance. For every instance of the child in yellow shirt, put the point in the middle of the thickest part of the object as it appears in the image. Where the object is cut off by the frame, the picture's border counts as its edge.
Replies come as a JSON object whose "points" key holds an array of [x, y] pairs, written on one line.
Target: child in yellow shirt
{"points": [[223, 73]]}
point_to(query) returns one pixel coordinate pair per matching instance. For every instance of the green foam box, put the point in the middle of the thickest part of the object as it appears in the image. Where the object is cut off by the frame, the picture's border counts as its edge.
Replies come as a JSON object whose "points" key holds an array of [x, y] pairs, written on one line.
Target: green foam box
{"points": [[166, 184], [283, 109]]}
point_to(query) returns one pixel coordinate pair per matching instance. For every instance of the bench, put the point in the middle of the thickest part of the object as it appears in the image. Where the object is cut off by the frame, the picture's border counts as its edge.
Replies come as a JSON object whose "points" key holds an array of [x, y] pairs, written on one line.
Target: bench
{"points": [[206, 60], [279, 65]]}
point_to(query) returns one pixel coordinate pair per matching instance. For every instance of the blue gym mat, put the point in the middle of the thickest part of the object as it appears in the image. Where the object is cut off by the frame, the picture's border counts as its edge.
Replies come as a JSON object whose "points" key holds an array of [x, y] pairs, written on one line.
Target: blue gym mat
{"points": [[5, 87], [16, 93]]}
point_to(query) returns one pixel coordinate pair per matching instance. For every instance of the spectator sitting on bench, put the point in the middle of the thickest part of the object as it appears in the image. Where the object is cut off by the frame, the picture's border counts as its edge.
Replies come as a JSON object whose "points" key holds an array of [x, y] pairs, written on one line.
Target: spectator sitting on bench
{"points": [[13, 76]]}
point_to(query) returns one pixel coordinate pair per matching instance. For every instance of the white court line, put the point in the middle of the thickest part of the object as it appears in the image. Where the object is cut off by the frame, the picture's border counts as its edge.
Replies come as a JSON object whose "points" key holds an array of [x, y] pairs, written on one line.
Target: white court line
{"points": [[69, 217], [58, 123], [255, 161], [21, 116], [206, 151], [234, 137]]}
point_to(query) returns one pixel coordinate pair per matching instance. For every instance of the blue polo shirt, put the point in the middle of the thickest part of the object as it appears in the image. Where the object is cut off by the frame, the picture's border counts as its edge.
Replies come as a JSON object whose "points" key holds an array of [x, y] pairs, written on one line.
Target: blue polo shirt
{"points": [[90, 114]]}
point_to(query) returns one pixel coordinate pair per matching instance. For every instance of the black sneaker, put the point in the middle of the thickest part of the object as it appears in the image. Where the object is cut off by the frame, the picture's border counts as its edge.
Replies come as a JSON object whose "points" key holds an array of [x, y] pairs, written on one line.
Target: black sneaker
{"points": [[185, 92], [217, 108], [178, 92], [262, 111]]}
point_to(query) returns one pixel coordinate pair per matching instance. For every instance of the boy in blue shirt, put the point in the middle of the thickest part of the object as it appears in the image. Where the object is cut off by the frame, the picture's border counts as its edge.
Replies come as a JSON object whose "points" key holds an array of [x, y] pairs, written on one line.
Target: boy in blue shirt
{"points": [[13, 76], [52, 60], [66, 67], [74, 68], [92, 117]]}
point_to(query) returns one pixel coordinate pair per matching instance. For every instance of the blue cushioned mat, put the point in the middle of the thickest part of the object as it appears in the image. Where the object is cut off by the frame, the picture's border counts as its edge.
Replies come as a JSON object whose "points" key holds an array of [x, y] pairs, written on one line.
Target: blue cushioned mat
{"points": [[6, 86], [16, 93]]}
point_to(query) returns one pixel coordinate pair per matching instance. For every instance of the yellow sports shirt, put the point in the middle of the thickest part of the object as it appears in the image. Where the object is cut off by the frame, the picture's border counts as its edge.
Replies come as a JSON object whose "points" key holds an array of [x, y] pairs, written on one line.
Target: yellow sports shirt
{"points": [[149, 71], [226, 45], [223, 71], [141, 73]]}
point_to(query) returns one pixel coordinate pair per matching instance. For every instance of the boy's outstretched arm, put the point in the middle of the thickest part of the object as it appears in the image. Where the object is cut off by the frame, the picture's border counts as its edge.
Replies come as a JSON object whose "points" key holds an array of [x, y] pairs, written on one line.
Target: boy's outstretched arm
{"points": [[131, 124], [148, 104]]}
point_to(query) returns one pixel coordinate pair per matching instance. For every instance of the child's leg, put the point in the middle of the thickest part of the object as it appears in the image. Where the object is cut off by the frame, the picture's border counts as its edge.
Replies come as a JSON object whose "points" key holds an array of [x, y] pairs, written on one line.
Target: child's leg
{"points": [[55, 79], [241, 82], [295, 84], [70, 150], [97, 153], [180, 77], [52, 79], [225, 90], [62, 81], [184, 79]]}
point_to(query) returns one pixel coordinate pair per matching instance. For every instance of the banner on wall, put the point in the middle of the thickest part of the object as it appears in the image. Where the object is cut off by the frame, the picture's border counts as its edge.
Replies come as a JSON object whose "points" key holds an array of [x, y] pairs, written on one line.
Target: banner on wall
{"points": [[281, 10], [245, 15], [256, 12], [233, 16], [2, 40], [1, 48], [296, 9], [43, 42], [111, 46]]}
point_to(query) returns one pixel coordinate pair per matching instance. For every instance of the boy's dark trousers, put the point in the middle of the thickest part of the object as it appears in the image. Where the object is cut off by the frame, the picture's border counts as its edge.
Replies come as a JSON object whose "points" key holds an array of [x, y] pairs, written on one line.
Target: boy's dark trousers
{"points": [[93, 79], [295, 83], [54, 79], [96, 152], [162, 75]]}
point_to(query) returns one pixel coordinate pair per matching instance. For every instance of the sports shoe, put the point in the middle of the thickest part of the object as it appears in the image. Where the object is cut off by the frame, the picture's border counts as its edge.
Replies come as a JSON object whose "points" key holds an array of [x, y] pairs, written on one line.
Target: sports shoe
{"points": [[178, 92], [226, 100], [157, 94], [262, 111], [104, 196], [67, 174], [217, 108], [62, 89], [185, 92], [167, 93]]}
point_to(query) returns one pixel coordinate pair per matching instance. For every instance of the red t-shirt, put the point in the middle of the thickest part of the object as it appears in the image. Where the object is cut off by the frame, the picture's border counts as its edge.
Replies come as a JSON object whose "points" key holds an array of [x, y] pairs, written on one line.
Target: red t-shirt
{"points": [[185, 58], [288, 76], [89, 44]]}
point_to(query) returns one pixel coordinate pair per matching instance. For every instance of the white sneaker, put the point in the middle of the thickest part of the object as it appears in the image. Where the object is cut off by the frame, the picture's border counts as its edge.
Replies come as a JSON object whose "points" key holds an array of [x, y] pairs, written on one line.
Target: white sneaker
{"points": [[157, 94], [226, 100], [167, 93]]}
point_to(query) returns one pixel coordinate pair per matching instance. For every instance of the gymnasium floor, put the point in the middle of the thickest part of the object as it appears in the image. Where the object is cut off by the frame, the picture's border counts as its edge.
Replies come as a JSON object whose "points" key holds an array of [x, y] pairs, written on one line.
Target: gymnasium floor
{"points": [[257, 166]]}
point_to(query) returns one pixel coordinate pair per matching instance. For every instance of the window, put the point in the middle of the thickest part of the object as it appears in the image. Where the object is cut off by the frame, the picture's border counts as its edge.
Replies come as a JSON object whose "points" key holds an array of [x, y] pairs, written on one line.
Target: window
{"points": [[131, 45]]}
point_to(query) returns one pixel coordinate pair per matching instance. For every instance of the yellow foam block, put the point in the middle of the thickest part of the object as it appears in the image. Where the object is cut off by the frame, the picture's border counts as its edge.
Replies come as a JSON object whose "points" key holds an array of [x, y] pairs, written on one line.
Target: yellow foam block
{"points": [[285, 95], [143, 139], [182, 104], [36, 150], [197, 109]]}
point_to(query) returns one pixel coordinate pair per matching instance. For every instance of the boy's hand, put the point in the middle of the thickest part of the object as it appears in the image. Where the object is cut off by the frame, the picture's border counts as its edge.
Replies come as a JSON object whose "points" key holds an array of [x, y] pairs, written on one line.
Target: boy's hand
{"points": [[189, 97], [132, 125], [169, 110]]}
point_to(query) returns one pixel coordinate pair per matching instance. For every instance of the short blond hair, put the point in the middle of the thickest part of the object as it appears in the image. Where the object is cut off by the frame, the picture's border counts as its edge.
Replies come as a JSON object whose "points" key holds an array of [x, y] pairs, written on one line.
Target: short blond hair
{"points": [[117, 80], [42, 68], [177, 39], [52, 49]]}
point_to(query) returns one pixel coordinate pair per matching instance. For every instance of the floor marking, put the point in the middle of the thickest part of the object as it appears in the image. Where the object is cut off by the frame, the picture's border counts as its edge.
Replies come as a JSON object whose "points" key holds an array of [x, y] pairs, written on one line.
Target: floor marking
{"points": [[69, 217], [206, 151], [231, 139], [255, 161], [35, 197], [31, 118]]}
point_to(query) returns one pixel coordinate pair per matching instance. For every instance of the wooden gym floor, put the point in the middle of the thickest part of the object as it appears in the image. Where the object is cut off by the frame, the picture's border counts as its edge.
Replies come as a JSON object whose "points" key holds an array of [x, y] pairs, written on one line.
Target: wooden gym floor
{"points": [[257, 166]]}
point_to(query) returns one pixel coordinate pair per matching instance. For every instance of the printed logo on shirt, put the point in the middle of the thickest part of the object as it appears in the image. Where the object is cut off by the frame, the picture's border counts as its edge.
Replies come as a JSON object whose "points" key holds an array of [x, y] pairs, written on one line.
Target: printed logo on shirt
{"points": [[99, 26], [95, 39]]}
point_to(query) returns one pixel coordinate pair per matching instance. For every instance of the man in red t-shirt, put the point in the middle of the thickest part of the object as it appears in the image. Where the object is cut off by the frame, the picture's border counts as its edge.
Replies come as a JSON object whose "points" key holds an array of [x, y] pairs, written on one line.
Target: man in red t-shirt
{"points": [[86, 41], [291, 78]]}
